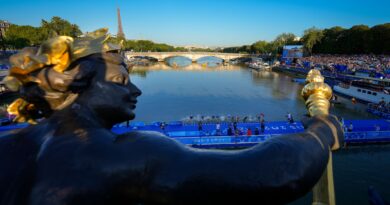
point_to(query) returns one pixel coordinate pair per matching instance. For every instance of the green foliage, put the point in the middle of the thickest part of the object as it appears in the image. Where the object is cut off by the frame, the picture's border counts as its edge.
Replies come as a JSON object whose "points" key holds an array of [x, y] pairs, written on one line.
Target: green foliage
{"points": [[260, 47], [181, 49], [22, 36], [359, 39], [17, 36], [60, 27], [284, 39], [329, 42], [336, 40], [146, 46], [380, 39], [202, 50], [310, 37], [264, 47]]}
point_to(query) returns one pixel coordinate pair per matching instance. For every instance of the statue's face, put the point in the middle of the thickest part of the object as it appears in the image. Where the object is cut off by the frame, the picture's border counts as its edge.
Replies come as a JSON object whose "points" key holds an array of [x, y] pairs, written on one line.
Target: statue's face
{"points": [[111, 94]]}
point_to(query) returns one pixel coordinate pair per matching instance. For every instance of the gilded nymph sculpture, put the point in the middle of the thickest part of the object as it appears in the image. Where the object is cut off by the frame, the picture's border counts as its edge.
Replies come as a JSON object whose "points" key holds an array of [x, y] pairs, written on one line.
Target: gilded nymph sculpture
{"points": [[81, 88]]}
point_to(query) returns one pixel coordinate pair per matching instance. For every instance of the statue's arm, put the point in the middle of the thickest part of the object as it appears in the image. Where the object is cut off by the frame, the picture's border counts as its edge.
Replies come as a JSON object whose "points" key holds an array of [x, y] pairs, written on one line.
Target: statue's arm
{"points": [[277, 171]]}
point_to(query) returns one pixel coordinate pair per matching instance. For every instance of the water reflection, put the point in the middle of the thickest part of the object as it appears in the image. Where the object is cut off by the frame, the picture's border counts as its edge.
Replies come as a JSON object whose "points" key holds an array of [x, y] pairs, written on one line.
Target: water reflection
{"points": [[209, 61], [173, 93], [143, 71], [204, 62], [178, 61]]}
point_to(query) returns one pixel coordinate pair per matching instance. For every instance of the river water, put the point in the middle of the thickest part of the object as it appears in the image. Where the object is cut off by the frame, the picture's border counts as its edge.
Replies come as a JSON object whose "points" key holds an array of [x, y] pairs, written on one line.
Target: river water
{"points": [[208, 88]]}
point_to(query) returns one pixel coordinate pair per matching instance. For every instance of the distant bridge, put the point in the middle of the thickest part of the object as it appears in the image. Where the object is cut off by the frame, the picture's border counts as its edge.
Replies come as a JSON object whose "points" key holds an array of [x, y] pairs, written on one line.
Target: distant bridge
{"points": [[194, 56]]}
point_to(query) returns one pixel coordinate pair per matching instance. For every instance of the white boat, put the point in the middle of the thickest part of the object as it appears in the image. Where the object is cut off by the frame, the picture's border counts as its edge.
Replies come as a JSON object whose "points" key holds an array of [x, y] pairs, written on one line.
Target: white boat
{"points": [[364, 91], [260, 66]]}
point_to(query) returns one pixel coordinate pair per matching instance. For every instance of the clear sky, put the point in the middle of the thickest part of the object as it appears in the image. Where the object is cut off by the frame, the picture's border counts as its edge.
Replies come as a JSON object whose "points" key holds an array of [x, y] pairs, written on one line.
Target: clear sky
{"points": [[201, 22]]}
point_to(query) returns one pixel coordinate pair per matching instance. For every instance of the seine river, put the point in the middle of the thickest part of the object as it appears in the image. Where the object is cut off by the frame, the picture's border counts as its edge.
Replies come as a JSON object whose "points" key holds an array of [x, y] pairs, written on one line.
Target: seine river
{"points": [[171, 94]]}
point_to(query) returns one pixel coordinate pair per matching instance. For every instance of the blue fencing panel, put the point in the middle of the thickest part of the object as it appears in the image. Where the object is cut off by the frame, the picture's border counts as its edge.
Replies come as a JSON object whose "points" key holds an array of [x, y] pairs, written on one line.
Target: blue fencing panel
{"points": [[13, 127], [362, 137], [306, 64], [120, 130], [341, 68], [219, 140], [137, 124], [176, 123], [367, 125], [184, 133]]}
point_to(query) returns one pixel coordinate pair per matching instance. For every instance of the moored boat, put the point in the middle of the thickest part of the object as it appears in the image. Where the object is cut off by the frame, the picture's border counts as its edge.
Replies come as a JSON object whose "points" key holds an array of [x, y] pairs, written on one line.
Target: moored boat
{"points": [[364, 91], [260, 66]]}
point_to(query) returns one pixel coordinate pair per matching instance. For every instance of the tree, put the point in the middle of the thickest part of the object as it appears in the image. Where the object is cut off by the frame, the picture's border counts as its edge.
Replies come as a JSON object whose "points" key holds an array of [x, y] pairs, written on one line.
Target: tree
{"points": [[3, 44], [356, 40], [330, 42], [145, 45], [22, 36], [285, 39], [282, 40], [60, 26], [260, 47], [380, 35], [18, 36], [311, 37], [181, 49]]}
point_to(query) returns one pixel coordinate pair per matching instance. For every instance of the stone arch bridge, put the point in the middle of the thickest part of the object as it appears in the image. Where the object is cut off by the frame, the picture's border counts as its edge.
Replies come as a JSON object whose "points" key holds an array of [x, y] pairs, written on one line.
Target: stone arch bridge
{"points": [[194, 56]]}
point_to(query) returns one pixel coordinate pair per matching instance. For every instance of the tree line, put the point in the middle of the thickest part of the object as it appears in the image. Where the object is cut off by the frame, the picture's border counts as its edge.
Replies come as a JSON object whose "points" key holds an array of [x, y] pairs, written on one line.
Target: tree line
{"points": [[359, 39], [20, 36], [264, 47]]}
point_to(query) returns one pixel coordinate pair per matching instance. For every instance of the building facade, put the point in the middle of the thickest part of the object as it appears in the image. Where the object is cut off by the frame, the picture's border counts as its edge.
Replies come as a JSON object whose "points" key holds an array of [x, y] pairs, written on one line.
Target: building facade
{"points": [[4, 25]]}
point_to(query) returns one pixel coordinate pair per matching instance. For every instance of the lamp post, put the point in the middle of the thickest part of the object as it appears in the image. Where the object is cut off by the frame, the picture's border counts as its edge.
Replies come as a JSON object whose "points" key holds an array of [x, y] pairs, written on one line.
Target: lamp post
{"points": [[317, 95]]}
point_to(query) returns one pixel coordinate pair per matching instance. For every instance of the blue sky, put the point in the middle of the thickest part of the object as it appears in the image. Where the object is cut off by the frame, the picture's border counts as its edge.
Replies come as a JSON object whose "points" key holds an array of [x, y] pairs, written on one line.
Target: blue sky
{"points": [[201, 22]]}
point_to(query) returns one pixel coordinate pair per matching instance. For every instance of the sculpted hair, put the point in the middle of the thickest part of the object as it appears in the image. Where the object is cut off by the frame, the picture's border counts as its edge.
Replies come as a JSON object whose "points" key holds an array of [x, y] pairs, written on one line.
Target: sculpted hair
{"points": [[56, 91], [50, 77]]}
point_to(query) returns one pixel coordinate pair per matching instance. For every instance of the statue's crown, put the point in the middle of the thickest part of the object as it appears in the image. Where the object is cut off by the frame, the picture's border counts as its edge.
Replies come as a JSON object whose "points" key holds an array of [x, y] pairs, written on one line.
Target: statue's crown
{"points": [[58, 52], [55, 53]]}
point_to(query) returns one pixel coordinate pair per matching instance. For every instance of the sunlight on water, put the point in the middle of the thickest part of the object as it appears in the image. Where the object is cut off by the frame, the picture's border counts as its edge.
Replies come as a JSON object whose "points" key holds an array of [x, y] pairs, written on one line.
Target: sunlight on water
{"points": [[173, 93]]}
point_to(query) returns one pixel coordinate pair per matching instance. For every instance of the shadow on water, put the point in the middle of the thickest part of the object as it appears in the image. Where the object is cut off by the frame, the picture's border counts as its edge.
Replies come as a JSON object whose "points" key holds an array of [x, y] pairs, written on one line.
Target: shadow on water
{"points": [[355, 169]]}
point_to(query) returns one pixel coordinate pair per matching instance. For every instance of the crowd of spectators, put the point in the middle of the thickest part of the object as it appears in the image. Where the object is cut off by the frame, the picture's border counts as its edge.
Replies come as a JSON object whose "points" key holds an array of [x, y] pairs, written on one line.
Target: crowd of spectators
{"points": [[372, 65]]}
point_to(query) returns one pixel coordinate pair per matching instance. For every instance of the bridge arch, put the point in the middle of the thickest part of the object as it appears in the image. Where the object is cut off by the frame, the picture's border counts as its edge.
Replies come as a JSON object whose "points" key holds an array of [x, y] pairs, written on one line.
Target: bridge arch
{"points": [[194, 56], [144, 57], [173, 56]]}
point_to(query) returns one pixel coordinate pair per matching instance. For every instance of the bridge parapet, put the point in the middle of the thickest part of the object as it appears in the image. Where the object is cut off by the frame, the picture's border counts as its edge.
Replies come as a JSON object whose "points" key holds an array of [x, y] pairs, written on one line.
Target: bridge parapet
{"points": [[194, 56]]}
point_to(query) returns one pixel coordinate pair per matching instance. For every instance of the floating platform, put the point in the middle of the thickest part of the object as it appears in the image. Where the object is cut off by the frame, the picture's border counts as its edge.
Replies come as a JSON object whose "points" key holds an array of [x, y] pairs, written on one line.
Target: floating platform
{"points": [[364, 132]]}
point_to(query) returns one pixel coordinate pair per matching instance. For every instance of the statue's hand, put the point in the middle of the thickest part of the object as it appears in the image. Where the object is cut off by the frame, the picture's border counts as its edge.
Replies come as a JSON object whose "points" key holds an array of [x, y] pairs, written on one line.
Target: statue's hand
{"points": [[22, 111], [321, 125]]}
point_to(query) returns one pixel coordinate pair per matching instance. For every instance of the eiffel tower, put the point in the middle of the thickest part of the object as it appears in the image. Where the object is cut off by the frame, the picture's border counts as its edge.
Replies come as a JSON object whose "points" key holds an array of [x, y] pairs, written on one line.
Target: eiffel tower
{"points": [[120, 33]]}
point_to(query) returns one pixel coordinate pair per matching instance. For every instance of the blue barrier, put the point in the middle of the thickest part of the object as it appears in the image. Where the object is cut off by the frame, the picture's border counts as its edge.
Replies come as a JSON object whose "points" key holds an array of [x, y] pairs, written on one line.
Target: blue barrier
{"points": [[13, 127], [222, 140], [137, 124], [383, 115], [4, 67], [364, 131], [362, 137], [368, 125]]}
